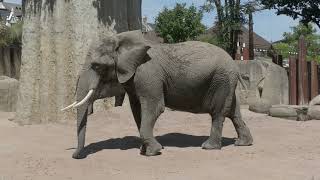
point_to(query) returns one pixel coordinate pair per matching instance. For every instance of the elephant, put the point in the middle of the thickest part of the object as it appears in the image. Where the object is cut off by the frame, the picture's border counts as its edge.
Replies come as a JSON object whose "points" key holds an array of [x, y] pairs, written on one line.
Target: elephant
{"points": [[191, 76]]}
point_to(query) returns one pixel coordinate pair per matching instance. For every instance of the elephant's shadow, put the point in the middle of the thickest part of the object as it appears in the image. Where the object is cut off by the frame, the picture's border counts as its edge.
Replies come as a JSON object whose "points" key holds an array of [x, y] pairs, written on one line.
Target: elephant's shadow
{"points": [[132, 142]]}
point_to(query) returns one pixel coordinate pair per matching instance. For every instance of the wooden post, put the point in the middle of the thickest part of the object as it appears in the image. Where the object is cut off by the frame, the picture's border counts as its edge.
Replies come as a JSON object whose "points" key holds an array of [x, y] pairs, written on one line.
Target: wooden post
{"points": [[245, 53], [302, 73], [251, 41], [280, 60], [293, 80], [314, 79]]}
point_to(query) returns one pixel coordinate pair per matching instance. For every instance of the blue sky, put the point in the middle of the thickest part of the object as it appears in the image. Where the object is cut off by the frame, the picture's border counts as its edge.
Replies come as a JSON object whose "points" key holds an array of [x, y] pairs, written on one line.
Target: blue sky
{"points": [[266, 23]]}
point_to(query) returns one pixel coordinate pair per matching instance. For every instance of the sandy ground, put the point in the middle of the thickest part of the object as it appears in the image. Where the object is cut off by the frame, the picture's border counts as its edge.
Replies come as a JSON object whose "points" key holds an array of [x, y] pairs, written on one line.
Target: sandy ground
{"points": [[282, 150]]}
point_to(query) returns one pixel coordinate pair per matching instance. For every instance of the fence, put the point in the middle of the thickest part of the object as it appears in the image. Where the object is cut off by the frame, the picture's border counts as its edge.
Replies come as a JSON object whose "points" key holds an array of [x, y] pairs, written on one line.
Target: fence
{"points": [[10, 61], [303, 77]]}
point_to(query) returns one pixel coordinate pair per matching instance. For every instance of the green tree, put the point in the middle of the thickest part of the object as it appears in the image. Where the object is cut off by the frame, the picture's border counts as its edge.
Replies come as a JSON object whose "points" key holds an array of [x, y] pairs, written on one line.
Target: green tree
{"points": [[179, 24], [304, 10], [230, 17], [10, 35], [289, 45]]}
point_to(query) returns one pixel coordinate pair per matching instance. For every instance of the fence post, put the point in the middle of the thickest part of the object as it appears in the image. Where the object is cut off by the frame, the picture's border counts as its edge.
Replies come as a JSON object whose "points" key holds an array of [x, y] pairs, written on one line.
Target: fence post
{"points": [[293, 80], [280, 60], [302, 73], [314, 79]]}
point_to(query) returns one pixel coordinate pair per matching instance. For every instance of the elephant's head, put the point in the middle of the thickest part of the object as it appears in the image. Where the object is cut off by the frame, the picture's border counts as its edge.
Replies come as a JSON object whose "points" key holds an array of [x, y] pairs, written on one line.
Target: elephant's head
{"points": [[109, 64]]}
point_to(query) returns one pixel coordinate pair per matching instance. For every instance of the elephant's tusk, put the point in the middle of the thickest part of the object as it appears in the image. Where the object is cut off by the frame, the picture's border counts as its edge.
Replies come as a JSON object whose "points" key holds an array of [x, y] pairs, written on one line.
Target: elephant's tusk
{"points": [[85, 99], [70, 106]]}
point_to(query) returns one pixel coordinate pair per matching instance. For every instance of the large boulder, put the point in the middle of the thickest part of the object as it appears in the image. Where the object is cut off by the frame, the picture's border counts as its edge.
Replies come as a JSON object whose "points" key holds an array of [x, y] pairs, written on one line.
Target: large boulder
{"points": [[315, 101], [8, 93], [314, 112], [259, 105], [283, 111], [56, 39], [264, 80], [294, 112]]}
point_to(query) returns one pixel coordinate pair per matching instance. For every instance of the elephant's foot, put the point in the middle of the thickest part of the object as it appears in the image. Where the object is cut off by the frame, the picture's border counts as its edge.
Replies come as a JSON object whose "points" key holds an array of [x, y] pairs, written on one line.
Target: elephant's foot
{"points": [[211, 144], [78, 155], [151, 149], [244, 139]]}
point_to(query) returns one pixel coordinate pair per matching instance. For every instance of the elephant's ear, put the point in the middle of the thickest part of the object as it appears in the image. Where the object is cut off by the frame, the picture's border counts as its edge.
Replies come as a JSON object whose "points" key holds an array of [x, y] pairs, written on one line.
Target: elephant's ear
{"points": [[131, 51]]}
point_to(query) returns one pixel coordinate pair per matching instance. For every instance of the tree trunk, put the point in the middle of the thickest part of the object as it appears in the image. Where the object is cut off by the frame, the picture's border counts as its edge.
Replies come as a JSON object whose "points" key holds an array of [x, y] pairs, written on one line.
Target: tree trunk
{"points": [[56, 38], [251, 41]]}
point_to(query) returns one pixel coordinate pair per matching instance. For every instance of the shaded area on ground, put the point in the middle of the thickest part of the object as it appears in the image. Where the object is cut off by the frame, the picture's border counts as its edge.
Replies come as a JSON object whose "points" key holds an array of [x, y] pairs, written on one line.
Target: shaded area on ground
{"points": [[132, 142]]}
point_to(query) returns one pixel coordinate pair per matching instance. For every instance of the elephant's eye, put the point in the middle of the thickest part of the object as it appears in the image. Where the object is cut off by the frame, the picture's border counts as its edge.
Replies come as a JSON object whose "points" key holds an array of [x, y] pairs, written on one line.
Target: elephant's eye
{"points": [[95, 66]]}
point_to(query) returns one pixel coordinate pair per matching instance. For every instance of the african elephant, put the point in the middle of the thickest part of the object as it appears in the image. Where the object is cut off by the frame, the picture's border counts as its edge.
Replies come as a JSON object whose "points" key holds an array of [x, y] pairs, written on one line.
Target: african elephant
{"points": [[191, 76]]}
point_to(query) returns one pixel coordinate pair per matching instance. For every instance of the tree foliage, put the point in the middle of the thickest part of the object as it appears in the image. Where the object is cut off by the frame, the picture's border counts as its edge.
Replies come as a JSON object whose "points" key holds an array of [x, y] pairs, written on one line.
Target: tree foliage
{"points": [[289, 45], [305, 10], [10, 35], [230, 16], [180, 23]]}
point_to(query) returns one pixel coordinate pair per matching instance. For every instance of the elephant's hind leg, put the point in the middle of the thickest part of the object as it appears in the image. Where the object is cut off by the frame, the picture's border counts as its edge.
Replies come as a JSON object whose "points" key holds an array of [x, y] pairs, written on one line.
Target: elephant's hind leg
{"points": [[244, 135], [215, 102], [214, 140]]}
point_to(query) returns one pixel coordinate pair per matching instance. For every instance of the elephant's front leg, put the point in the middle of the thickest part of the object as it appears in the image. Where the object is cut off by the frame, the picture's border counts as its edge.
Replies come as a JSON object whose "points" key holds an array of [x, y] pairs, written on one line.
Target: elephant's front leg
{"points": [[151, 108], [81, 132]]}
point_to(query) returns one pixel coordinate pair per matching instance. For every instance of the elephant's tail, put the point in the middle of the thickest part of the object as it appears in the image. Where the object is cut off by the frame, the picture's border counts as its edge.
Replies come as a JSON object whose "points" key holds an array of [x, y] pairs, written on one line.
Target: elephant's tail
{"points": [[242, 82]]}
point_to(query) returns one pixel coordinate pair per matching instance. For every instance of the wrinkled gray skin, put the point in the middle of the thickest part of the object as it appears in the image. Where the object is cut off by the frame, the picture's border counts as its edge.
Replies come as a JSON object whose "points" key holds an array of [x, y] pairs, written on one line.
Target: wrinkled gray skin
{"points": [[191, 76]]}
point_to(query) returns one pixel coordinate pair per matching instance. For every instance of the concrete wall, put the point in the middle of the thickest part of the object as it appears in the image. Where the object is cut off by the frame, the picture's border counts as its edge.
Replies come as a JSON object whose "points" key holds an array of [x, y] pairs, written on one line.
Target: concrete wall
{"points": [[265, 80], [56, 38]]}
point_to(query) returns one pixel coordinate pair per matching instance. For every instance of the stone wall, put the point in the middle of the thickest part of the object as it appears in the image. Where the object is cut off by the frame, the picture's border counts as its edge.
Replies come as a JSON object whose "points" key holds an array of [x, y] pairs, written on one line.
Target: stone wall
{"points": [[264, 80], [56, 38]]}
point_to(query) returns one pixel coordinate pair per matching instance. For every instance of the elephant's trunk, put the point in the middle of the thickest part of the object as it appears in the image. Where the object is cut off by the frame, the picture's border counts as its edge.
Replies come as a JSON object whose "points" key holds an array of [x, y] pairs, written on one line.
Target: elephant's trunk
{"points": [[88, 81]]}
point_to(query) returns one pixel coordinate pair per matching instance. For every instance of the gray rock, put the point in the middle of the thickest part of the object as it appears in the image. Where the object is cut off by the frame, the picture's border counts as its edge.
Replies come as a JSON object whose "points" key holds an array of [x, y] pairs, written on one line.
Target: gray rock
{"points": [[315, 101], [259, 105], [283, 111], [8, 93], [56, 40], [264, 80], [314, 112]]}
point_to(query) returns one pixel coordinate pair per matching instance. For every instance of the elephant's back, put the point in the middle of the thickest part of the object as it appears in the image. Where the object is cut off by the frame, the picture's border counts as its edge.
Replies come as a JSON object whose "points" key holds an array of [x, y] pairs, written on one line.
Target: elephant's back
{"points": [[195, 55]]}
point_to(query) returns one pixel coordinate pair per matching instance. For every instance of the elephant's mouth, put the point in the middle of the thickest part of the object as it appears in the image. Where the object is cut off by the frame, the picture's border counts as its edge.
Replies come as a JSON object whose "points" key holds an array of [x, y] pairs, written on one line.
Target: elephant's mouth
{"points": [[77, 104]]}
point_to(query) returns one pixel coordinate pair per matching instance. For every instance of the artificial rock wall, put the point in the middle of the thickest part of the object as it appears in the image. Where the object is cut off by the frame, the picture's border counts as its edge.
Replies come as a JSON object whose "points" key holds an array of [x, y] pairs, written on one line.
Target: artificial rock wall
{"points": [[56, 38], [264, 80]]}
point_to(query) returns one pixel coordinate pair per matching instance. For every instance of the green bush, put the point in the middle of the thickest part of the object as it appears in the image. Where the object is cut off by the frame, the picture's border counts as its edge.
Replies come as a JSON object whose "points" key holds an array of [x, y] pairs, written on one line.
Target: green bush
{"points": [[179, 24], [10, 35]]}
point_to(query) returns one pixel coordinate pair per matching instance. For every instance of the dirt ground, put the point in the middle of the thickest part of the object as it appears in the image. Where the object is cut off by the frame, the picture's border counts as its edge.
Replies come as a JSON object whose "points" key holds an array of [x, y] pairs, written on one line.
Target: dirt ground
{"points": [[282, 150]]}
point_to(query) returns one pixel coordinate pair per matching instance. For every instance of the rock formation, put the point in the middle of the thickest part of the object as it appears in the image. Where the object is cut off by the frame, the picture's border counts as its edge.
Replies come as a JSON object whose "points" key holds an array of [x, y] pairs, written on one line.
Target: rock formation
{"points": [[264, 80], [56, 37]]}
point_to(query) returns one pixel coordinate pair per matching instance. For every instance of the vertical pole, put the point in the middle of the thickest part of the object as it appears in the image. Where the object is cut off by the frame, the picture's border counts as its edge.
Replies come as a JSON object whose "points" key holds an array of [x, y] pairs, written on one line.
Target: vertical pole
{"points": [[302, 73], [314, 79], [280, 60], [275, 58], [292, 80], [245, 53], [251, 41]]}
